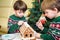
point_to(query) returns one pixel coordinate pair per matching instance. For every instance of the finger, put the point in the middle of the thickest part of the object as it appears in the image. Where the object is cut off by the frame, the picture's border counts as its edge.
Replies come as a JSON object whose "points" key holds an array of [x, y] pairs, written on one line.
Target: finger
{"points": [[36, 23], [40, 23]]}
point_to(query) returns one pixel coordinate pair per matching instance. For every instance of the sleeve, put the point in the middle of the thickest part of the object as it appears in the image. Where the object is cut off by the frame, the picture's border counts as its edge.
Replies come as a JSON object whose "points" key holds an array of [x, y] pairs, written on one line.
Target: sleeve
{"points": [[47, 37], [12, 26], [46, 28], [9, 23]]}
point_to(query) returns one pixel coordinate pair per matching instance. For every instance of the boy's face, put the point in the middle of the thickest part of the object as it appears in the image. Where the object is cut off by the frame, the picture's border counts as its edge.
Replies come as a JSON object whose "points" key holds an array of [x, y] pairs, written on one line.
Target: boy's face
{"points": [[50, 13], [19, 13]]}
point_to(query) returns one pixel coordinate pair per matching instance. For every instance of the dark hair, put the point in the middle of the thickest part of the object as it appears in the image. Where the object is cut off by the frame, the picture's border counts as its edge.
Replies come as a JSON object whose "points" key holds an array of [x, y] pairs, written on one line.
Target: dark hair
{"points": [[20, 5]]}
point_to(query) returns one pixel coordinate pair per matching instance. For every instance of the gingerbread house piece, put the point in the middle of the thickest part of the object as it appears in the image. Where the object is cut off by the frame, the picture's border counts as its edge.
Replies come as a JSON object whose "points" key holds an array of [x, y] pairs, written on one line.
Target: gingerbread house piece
{"points": [[26, 31]]}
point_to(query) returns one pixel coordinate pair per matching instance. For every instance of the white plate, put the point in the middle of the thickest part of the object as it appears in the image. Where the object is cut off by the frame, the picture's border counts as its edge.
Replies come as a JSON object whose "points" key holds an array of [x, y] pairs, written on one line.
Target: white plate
{"points": [[8, 36]]}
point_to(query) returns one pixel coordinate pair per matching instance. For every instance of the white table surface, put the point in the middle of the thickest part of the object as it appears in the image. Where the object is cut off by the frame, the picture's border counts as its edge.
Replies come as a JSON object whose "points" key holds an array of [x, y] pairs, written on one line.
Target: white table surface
{"points": [[15, 36]]}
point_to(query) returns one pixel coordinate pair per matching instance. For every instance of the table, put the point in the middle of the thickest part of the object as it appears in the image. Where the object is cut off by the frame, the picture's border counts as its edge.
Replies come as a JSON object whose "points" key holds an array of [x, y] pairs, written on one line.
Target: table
{"points": [[14, 36]]}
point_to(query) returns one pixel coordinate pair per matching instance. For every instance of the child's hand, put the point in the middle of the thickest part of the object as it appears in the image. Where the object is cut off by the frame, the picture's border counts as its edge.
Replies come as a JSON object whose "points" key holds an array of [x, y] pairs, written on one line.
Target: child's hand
{"points": [[39, 25], [20, 22], [37, 35]]}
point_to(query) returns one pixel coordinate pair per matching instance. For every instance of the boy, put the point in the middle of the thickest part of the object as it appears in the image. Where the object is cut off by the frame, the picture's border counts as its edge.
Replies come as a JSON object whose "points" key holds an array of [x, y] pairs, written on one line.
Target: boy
{"points": [[18, 18], [51, 10]]}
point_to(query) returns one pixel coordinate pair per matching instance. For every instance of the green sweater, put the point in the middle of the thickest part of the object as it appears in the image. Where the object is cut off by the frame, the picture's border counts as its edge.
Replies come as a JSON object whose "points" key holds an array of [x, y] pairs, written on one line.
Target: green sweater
{"points": [[51, 31], [12, 23]]}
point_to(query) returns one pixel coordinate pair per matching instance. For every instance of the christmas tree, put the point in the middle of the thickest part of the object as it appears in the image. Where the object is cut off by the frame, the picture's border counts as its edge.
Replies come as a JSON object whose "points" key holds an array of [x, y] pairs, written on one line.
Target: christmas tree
{"points": [[35, 14]]}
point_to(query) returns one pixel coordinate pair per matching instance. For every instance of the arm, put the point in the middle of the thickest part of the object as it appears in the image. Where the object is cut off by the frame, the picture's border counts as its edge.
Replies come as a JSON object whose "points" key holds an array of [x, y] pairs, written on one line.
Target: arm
{"points": [[12, 26], [44, 28]]}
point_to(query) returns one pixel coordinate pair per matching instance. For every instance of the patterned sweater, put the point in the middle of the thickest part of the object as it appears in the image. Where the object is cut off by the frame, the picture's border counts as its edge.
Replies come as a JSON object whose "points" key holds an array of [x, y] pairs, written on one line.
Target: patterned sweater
{"points": [[12, 23], [53, 32]]}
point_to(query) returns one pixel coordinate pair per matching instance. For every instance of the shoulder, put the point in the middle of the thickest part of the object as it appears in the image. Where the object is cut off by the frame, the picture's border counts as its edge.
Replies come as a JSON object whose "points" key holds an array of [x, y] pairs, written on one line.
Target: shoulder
{"points": [[11, 16], [58, 19]]}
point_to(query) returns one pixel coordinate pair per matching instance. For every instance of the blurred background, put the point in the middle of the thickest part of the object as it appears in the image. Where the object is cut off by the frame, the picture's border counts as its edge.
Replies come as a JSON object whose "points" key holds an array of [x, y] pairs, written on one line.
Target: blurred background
{"points": [[6, 9]]}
